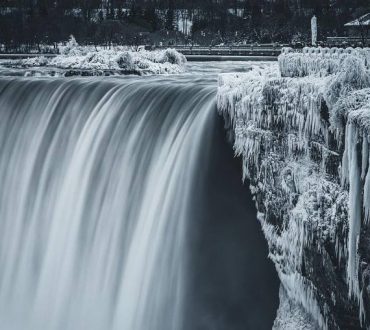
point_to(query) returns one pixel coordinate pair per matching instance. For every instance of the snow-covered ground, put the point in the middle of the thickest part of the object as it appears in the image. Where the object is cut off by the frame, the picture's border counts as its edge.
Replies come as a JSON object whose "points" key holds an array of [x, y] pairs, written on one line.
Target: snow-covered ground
{"points": [[302, 128], [117, 60]]}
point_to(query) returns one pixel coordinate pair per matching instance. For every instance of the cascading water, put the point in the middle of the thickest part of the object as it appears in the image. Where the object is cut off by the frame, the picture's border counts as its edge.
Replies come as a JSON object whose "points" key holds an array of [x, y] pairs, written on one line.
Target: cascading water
{"points": [[99, 198]]}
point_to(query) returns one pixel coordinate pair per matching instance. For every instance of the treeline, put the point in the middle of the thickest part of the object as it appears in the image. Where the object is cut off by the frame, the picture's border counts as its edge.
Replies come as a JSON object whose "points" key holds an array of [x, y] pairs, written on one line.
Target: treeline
{"points": [[36, 22]]}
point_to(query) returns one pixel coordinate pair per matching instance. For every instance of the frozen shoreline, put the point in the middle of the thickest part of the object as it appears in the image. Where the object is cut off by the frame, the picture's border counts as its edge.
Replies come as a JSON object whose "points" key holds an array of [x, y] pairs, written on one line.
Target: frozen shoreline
{"points": [[84, 60]]}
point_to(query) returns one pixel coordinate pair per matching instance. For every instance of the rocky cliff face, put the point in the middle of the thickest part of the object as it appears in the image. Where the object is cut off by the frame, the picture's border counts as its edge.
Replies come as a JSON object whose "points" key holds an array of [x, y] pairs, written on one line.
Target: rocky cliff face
{"points": [[302, 129]]}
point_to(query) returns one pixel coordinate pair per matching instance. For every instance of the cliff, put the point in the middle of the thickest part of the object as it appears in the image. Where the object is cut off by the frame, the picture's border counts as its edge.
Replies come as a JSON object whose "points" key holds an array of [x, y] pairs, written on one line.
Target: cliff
{"points": [[302, 129]]}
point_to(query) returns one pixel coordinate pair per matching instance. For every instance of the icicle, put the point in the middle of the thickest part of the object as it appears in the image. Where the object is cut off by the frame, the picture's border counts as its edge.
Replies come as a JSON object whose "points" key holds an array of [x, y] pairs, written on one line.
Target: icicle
{"points": [[365, 157], [345, 160], [354, 210], [362, 313], [366, 200]]}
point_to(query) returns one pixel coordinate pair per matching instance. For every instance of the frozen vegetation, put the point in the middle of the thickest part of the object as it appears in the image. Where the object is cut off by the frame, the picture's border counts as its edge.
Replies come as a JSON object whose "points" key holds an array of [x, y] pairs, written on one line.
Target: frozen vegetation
{"points": [[318, 61], [90, 60], [302, 128]]}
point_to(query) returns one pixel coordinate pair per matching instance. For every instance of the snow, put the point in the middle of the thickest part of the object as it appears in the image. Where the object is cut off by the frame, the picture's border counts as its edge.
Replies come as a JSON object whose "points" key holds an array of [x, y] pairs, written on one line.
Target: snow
{"points": [[117, 59], [289, 123]]}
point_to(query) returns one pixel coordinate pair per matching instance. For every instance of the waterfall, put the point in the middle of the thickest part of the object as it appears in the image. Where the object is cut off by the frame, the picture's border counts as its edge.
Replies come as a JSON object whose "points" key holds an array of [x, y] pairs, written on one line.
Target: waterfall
{"points": [[95, 181], [99, 201]]}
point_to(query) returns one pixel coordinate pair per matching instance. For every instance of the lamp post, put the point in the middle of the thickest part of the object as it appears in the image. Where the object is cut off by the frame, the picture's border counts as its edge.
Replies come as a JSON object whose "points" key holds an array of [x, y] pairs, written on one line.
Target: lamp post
{"points": [[314, 31]]}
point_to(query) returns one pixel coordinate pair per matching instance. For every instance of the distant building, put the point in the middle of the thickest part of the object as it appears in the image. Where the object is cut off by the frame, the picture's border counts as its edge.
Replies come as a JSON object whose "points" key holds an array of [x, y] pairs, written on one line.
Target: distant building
{"points": [[359, 28], [361, 21]]}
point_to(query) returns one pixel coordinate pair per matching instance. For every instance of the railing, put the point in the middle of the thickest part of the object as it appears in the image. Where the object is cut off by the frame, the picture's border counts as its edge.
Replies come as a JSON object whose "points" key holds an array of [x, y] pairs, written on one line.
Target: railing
{"points": [[347, 41], [245, 50]]}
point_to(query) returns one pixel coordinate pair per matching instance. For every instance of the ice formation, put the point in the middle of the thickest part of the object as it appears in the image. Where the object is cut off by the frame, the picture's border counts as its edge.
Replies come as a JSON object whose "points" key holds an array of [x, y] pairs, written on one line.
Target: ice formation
{"points": [[302, 129], [88, 60], [290, 315]]}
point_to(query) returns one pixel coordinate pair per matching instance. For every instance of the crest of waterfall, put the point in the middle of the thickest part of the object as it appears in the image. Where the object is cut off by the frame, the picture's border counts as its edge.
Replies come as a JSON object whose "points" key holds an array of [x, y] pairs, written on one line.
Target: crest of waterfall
{"points": [[95, 180]]}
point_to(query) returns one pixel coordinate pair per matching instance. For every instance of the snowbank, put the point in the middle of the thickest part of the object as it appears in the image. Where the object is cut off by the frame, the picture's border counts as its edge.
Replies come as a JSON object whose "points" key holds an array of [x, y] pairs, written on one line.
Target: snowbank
{"points": [[304, 136], [121, 60]]}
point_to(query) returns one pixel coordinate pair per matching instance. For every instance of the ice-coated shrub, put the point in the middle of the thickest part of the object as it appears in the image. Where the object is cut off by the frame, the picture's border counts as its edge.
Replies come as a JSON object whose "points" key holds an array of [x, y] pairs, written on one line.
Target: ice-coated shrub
{"points": [[72, 48], [35, 61], [325, 51], [286, 50], [353, 75], [319, 61], [125, 61], [301, 65], [172, 56], [350, 102]]}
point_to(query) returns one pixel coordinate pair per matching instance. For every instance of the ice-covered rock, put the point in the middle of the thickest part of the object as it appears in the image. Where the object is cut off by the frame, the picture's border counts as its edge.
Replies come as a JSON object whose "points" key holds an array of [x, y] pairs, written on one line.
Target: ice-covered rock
{"points": [[303, 133]]}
